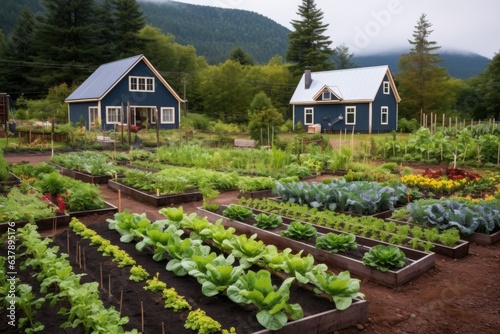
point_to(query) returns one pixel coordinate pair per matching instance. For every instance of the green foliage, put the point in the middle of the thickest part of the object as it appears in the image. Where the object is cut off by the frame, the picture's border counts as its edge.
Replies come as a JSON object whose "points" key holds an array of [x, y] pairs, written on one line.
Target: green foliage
{"points": [[197, 320], [337, 243], [307, 44], [4, 167], [385, 258], [257, 288], [18, 206], [267, 221], [467, 217], [297, 230], [342, 288], [237, 212]]}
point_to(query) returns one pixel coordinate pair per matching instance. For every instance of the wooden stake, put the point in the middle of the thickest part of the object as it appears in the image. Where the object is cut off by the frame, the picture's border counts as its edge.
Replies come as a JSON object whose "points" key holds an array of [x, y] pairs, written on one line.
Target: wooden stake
{"points": [[102, 285], [142, 317], [67, 240], [76, 253], [162, 327], [109, 286]]}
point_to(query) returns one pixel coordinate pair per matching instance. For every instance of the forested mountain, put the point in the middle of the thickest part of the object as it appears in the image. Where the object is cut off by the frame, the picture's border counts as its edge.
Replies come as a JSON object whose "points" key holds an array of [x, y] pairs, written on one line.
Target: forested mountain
{"points": [[215, 32], [459, 65]]}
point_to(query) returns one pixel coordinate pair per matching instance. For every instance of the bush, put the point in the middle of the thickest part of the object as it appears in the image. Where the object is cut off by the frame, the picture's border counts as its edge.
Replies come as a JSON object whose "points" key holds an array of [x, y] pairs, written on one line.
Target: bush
{"points": [[197, 121], [408, 126]]}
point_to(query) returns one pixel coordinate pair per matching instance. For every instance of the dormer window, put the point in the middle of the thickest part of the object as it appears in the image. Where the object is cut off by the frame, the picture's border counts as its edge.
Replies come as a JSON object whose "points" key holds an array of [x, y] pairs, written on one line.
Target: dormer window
{"points": [[326, 96]]}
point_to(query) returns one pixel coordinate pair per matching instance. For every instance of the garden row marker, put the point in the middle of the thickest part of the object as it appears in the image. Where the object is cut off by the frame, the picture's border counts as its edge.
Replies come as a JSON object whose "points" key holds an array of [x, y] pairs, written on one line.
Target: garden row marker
{"points": [[142, 317], [102, 285], [67, 240], [109, 286], [121, 301]]}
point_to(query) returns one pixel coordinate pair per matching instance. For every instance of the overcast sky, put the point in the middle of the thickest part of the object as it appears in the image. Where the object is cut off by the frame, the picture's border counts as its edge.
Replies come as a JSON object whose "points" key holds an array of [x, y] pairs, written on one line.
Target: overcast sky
{"points": [[369, 26]]}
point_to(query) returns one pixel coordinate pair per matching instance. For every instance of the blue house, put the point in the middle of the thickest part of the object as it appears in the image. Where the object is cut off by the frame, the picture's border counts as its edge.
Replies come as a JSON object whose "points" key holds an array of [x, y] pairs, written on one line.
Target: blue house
{"points": [[125, 92], [359, 99]]}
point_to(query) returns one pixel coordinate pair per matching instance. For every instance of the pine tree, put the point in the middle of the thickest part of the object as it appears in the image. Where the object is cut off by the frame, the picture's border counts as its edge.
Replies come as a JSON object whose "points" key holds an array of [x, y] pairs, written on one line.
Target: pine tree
{"points": [[128, 21], [16, 59], [308, 46], [342, 57], [66, 42], [424, 86], [241, 56]]}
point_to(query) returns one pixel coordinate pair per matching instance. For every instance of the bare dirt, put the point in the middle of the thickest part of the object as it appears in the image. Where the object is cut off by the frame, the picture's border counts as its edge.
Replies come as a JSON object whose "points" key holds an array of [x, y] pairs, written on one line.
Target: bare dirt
{"points": [[456, 296]]}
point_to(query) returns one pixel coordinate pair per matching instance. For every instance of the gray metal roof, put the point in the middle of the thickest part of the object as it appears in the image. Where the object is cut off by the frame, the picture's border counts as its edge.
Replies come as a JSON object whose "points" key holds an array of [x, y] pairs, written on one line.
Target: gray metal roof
{"points": [[355, 84], [103, 79]]}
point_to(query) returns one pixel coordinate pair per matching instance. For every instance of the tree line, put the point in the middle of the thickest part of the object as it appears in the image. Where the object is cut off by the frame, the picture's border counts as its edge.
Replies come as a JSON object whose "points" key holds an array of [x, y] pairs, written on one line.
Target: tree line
{"points": [[55, 52]]}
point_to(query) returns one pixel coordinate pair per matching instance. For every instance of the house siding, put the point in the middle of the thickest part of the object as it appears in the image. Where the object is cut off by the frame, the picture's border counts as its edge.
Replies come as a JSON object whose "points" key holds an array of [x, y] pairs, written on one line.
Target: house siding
{"points": [[326, 113], [384, 100], [120, 95]]}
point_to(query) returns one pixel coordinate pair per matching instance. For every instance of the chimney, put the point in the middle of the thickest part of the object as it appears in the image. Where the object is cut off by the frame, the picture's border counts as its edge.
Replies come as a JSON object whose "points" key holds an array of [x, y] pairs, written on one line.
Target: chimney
{"points": [[308, 79]]}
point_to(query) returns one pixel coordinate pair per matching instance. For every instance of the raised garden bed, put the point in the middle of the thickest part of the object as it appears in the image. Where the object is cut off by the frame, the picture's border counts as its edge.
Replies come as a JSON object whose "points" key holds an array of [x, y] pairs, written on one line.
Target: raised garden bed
{"points": [[43, 224], [108, 208], [257, 194], [484, 239], [320, 316], [420, 262], [153, 199], [8, 183], [82, 176]]}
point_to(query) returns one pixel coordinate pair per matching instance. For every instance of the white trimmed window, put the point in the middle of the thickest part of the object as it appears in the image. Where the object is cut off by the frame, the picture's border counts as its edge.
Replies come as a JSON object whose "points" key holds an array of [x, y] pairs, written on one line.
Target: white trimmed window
{"points": [[350, 115], [308, 116], [326, 96], [384, 115], [113, 115], [167, 115], [387, 87], [141, 84]]}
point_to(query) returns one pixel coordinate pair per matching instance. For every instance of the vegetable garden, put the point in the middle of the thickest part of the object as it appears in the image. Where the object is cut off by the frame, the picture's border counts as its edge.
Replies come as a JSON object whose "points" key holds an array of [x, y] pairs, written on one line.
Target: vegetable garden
{"points": [[253, 265]]}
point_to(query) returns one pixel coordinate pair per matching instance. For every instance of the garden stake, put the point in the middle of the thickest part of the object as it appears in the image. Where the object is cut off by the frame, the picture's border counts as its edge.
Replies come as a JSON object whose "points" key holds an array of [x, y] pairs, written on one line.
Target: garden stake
{"points": [[76, 251], [142, 317], [109, 286], [102, 285], [67, 240], [162, 327]]}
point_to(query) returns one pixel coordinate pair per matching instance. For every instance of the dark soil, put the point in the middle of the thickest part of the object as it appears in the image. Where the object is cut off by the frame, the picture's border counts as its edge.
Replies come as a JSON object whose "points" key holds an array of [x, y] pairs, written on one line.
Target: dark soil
{"points": [[456, 296]]}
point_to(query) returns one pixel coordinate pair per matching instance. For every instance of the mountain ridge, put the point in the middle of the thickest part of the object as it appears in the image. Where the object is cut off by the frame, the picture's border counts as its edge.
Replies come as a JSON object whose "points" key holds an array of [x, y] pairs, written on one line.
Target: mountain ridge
{"points": [[215, 32]]}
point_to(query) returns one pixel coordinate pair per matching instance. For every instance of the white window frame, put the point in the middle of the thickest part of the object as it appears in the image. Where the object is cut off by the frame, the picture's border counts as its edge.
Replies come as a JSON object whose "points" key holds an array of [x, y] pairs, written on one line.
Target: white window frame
{"points": [[387, 87], [350, 110], [152, 115], [163, 118], [111, 117], [141, 84], [93, 116], [308, 112], [327, 96], [384, 113]]}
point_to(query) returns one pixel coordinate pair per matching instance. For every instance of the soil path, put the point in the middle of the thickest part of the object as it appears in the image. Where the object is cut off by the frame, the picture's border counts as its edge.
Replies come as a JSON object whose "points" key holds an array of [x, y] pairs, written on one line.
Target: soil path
{"points": [[456, 296]]}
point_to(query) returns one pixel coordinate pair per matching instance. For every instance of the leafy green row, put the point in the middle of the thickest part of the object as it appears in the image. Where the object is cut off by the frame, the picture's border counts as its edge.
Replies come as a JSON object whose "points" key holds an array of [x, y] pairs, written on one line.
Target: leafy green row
{"points": [[466, 216], [137, 273], [361, 197], [375, 228], [59, 283], [91, 162], [216, 273]]}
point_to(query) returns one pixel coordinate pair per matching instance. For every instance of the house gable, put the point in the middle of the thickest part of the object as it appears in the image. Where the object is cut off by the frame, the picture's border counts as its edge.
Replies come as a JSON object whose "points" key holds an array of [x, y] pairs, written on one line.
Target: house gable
{"points": [[328, 94]]}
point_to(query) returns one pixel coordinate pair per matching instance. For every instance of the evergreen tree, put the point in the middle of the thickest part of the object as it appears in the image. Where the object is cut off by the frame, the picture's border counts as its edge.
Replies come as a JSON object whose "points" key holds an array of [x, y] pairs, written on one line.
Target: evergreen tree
{"points": [[342, 57], [105, 33], [128, 20], [241, 56], [16, 59], [424, 86], [307, 44], [66, 42]]}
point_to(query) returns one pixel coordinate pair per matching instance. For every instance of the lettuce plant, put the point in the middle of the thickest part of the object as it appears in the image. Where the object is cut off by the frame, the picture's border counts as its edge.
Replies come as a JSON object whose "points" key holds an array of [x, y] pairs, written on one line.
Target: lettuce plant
{"points": [[237, 212], [342, 288], [385, 257], [299, 231], [267, 221], [336, 243], [273, 308], [248, 250]]}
